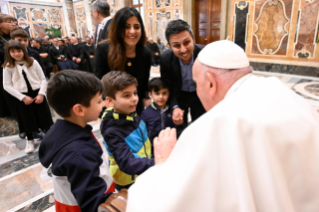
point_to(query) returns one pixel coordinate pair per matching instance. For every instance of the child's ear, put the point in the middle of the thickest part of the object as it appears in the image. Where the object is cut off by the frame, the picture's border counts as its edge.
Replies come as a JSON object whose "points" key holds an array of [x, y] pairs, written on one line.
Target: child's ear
{"points": [[78, 110], [150, 95], [109, 102]]}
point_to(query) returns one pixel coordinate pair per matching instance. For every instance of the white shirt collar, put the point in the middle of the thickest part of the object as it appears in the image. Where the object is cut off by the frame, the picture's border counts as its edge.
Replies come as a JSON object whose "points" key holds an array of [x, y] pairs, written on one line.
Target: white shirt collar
{"points": [[57, 47], [75, 44], [105, 20]]}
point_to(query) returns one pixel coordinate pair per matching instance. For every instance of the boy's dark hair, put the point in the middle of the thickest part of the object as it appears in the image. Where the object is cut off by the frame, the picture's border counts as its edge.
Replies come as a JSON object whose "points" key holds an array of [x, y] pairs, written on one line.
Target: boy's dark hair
{"points": [[18, 33], [70, 87], [177, 26], [156, 84], [115, 81]]}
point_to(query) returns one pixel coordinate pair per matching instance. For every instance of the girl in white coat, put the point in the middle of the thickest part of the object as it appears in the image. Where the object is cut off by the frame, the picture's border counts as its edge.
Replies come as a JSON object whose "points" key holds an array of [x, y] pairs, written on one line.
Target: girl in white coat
{"points": [[23, 78]]}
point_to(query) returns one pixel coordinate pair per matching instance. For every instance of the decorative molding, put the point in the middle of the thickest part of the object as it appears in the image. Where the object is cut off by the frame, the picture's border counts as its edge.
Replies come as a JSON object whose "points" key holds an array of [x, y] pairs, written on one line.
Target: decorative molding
{"points": [[241, 20], [38, 14], [162, 3], [53, 4], [242, 4], [267, 51], [20, 13], [54, 15]]}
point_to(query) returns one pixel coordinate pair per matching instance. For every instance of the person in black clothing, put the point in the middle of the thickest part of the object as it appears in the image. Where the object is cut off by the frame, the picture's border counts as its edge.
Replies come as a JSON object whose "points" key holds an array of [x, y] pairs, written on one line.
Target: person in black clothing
{"points": [[176, 69], [77, 54], [45, 44], [44, 53], [101, 14], [90, 50], [59, 56], [155, 51], [125, 51], [7, 23]]}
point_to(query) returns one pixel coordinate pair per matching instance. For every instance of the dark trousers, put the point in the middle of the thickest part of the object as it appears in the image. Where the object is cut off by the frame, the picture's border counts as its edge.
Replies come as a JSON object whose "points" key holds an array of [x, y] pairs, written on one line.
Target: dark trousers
{"points": [[49, 68], [190, 100]]}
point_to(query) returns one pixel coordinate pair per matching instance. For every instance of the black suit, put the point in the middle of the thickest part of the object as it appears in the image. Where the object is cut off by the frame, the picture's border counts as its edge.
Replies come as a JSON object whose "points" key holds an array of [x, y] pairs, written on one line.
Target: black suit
{"points": [[55, 54], [104, 33], [47, 61], [140, 68], [37, 57], [171, 73], [90, 50], [78, 51]]}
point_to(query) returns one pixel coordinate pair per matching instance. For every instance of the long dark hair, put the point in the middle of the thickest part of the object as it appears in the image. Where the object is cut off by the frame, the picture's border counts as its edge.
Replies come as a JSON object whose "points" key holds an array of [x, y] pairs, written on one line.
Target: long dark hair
{"points": [[117, 53], [10, 62]]}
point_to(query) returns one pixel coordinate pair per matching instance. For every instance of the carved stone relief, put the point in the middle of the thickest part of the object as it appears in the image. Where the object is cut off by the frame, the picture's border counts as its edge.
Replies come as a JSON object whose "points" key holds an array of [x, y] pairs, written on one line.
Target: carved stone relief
{"points": [[39, 29], [38, 14], [80, 13], [83, 30], [162, 20], [307, 29], [54, 15], [177, 15], [177, 3], [20, 13], [271, 28]]}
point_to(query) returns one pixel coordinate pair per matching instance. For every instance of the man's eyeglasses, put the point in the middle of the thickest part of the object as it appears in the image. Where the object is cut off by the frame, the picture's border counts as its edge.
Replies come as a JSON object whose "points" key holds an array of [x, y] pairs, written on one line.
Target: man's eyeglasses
{"points": [[11, 21]]}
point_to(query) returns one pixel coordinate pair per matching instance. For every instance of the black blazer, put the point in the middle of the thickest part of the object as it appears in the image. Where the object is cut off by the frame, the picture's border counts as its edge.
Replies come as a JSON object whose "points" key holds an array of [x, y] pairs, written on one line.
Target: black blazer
{"points": [[105, 32], [37, 57], [54, 53], [171, 72], [142, 64]]}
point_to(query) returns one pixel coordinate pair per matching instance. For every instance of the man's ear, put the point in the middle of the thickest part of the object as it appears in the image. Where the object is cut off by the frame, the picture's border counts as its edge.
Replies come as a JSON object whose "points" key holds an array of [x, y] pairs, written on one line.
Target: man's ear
{"points": [[109, 102], [150, 95], [78, 110], [212, 84]]}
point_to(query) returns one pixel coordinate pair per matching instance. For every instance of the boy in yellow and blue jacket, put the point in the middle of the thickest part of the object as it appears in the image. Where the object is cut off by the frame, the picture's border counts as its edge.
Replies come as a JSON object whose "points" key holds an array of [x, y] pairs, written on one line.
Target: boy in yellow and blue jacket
{"points": [[124, 132]]}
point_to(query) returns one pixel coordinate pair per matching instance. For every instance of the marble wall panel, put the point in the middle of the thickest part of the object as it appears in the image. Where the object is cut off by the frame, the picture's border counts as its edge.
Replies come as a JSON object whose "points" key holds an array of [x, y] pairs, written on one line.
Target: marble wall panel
{"points": [[71, 20], [271, 26], [20, 13], [113, 6], [40, 205], [151, 25], [38, 14], [240, 23], [54, 15], [8, 126], [177, 3], [162, 3], [80, 12], [307, 29], [26, 27], [177, 14], [162, 20], [39, 30]]}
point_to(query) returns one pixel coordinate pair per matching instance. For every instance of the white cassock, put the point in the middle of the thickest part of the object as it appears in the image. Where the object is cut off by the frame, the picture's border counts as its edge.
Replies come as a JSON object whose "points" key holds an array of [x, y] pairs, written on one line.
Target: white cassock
{"points": [[257, 150]]}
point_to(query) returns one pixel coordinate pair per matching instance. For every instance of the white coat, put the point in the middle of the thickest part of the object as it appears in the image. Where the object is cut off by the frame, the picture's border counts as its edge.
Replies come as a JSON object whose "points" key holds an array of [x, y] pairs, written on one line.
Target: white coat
{"points": [[255, 151]]}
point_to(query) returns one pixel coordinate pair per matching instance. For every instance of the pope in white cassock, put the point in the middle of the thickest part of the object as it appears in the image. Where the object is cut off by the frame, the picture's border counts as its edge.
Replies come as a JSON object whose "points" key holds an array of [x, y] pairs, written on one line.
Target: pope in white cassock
{"points": [[255, 149]]}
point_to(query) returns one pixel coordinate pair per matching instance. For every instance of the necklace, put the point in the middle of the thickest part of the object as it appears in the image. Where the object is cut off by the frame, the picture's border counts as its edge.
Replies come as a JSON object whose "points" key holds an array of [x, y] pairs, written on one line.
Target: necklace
{"points": [[129, 63]]}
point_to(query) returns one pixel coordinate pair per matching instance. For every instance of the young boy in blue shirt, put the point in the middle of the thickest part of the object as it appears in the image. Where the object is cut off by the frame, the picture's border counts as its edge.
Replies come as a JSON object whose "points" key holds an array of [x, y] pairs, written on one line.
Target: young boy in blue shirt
{"points": [[124, 132], [80, 174], [158, 115]]}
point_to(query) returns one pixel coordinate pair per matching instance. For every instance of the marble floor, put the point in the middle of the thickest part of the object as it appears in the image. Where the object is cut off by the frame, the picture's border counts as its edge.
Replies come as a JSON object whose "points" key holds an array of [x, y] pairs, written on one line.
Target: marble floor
{"points": [[26, 185]]}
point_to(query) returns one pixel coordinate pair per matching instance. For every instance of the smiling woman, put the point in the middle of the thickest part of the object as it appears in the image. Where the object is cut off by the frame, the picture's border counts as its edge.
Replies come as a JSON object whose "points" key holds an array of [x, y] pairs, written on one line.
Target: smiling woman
{"points": [[124, 50]]}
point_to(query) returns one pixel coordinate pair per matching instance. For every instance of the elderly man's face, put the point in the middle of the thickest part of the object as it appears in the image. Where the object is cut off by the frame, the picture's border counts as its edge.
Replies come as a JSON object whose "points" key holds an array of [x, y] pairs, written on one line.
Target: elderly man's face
{"points": [[182, 45], [73, 40], [151, 41], [203, 86]]}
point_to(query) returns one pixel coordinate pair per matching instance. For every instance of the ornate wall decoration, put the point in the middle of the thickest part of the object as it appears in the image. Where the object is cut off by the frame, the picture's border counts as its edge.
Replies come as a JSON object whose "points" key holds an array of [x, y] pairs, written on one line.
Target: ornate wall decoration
{"points": [[39, 30], [20, 13], [162, 3], [57, 26], [177, 2], [307, 29], [112, 4], [83, 30], [150, 25], [162, 20], [38, 14], [80, 13], [177, 15], [240, 23], [271, 28], [149, 4], [54, 15], [25, 27]]}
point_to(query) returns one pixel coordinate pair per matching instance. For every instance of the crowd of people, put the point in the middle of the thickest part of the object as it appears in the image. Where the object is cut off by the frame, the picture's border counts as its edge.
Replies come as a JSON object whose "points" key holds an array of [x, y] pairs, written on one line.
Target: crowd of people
{"points": [[108, 77]]}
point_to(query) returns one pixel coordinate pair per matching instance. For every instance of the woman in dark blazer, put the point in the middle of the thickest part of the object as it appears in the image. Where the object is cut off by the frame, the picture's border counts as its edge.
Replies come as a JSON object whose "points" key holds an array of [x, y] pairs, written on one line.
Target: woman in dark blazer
{"points": [[124, 50]]}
